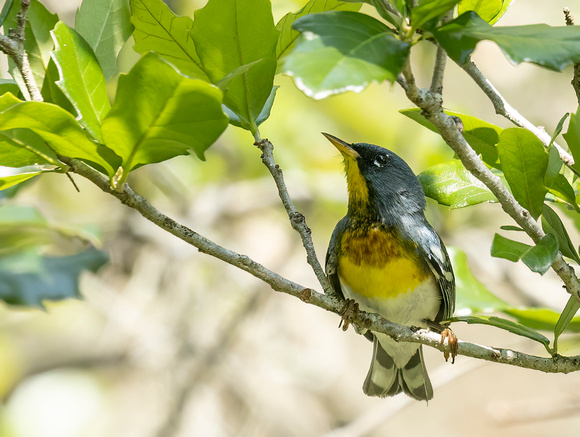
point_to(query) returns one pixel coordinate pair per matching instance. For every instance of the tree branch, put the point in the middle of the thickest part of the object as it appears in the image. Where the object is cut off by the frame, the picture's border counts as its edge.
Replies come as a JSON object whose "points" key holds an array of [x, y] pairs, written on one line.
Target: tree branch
{"points": [[503, 108], [374, 322], [430, 103], [297, 219], [438, 71], [13, 46]]}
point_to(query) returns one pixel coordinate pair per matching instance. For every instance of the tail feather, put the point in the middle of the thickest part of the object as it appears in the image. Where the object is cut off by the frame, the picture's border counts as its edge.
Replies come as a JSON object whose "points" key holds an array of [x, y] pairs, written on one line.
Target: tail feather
{"points": [[386, 379]]}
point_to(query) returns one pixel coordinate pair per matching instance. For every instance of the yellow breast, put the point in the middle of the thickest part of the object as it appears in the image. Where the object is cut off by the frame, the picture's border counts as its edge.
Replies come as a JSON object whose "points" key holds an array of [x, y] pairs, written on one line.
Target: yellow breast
{"points": [[376, 264]]}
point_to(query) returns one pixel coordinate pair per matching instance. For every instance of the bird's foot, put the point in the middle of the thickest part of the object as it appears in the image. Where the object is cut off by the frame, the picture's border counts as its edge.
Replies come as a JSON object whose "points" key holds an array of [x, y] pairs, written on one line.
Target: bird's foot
{"points": [[347, 314], [449, 337]]}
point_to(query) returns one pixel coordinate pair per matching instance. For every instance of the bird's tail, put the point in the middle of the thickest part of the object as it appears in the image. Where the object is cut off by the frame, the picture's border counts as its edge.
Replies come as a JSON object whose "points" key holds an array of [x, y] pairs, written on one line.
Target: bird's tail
{"points": [[386, 379]]}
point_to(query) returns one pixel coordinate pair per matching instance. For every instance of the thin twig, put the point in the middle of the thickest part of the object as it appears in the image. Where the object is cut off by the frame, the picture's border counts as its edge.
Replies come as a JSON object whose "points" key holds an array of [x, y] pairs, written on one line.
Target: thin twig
{"points": [[576, 79], [13, 46], [438, 71], [297, 220], [374, 322], [431, 105], [503, 108]]}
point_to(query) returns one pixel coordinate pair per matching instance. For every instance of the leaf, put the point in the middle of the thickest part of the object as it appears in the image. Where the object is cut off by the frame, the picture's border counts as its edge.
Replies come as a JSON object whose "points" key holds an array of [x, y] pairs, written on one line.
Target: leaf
{"points": [[540, 257], [511, 228], [450, 184], [56, 127], [490, 10], [5, 10], [51, 93], [29, 278], [572, 137], [37, 44], [505, 248], [551, 47], [288, 36], [343, 51], [481, 135], [472, 296], [9, 86], [159, 114], [234, 119], [562, 189], [225, 32], [554, 165], [541, 318], [552, 224], [524, 162], [559, 128], [537, 258], [15, 179], [428, 10], [570, 310], [106, 26], [507, 325], [159, 30], [81, 79], [22, 147]]}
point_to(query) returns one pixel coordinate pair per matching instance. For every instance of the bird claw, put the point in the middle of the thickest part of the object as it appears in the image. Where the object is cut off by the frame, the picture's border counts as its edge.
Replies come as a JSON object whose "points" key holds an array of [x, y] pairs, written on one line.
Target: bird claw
{"points": [[347, 314], [449, 337]]}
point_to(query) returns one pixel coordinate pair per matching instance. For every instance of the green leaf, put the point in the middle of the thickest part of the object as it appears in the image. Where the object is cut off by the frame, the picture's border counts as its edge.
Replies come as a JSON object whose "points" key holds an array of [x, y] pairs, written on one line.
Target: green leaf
{"points": [[472, 296], [551, 47], [490, 10], [56, 127], [51, 93], [505, 248], [235, 120], [450, 184], [481, 135], [507, 325], [570, 310], [22, 147], [537, 258], [552, 224], [562, 189], [572, 137], [81, 79], [288, 36], [554, 165], [38, 43], [15, 179], [9, 86], [524, 162], [541, 318], [428, 10], [225, 32], [159, 114], [559, 128], [541, 256], [29, 278], [159, 30], [511, 228], [343, 51], [106, 26], [5, 10]]}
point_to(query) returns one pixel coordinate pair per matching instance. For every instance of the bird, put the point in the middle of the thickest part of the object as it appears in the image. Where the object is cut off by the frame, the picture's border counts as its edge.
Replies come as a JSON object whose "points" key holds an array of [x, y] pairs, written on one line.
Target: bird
{"points": [[386, 257]]}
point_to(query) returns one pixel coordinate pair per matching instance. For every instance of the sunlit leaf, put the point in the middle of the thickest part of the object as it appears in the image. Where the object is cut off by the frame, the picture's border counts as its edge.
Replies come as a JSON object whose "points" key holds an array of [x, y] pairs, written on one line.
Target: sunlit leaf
{"points": [[225, 33], [524, 162], [159, 114], [343, 51], [552, 224], [570, 310], [551, 47], [490, 10], [452, 185], [106, 26], [428, 10], [81, 78], [159, 30]]}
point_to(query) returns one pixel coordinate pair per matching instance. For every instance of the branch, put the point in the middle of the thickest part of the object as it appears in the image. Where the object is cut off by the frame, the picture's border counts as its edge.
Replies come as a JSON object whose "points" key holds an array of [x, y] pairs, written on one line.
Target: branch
{"points": [[576, 78], [438, 71], [297, 219], [430, 103], [13, 46], [503, 108], [374, 322]]}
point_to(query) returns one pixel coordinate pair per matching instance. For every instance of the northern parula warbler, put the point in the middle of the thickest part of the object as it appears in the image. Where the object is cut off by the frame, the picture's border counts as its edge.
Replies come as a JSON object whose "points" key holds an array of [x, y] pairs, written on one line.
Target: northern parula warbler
{"points": [[386, 257]]}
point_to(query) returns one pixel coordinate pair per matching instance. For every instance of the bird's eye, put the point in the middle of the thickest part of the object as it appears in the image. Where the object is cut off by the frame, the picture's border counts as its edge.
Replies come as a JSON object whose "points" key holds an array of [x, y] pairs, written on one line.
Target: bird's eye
{"points": [[381, 160]]}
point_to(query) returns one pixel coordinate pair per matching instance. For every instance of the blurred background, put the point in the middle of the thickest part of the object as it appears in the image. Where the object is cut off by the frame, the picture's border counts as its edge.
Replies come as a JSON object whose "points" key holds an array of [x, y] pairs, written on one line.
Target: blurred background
{"points": [[170, 342]]}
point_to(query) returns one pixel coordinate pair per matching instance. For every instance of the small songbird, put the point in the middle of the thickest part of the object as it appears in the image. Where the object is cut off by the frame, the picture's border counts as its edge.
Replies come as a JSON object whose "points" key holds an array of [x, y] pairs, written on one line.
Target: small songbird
{"points": [[386, 257]]}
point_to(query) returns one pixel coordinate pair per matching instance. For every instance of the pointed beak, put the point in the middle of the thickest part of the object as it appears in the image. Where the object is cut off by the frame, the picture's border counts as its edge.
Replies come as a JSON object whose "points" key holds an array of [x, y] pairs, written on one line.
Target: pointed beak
{"points": [[344, 148]]}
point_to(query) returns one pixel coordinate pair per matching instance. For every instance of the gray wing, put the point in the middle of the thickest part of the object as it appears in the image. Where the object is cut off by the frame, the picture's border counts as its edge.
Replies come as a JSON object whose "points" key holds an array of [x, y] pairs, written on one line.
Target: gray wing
{"points": [[331, 264], [437, 258]]}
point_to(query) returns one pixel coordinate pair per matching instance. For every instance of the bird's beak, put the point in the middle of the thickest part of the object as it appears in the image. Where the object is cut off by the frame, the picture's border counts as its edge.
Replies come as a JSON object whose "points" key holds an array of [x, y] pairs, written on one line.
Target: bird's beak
{"points": [[344, 148]]}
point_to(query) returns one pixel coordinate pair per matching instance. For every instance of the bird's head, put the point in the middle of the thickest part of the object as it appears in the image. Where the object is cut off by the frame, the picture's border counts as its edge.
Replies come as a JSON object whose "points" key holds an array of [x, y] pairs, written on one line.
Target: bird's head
{"points": [[380, 183]]}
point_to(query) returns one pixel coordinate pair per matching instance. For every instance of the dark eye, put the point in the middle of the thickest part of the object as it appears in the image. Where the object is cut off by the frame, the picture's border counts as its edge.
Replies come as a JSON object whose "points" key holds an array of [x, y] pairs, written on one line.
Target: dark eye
{"points": [[381, 160]]}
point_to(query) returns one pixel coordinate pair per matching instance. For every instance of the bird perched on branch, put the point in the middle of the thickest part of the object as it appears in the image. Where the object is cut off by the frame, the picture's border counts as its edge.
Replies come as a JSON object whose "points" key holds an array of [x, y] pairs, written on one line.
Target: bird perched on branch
{"points": [[387, 258]]}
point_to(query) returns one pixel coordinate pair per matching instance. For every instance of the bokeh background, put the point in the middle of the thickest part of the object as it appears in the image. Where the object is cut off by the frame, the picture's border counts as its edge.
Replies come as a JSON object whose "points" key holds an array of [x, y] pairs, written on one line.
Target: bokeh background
{"points": [[170, 342]]}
